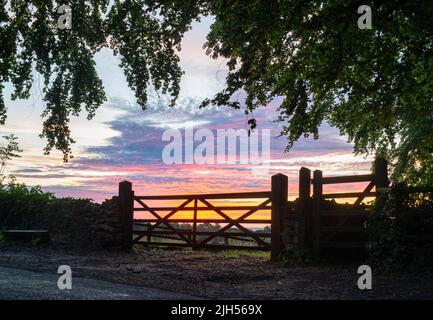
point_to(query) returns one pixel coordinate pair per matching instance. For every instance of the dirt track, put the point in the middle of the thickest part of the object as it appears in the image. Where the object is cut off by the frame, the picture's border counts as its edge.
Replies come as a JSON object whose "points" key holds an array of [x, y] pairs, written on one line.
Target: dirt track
{"points": [[16, 284], [217, 275]]}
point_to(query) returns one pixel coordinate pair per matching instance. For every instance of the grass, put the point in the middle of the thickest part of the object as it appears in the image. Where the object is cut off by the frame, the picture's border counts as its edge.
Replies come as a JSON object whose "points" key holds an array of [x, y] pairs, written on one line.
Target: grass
{"points": [[294, 258], [36, 242], [266, 255], [245, 253]]}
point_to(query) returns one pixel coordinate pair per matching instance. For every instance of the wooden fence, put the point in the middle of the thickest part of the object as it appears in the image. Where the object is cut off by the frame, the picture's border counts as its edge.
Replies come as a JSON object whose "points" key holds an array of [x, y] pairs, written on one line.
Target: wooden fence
{"points": [[313, 222], [348, 226], [327, 224]]}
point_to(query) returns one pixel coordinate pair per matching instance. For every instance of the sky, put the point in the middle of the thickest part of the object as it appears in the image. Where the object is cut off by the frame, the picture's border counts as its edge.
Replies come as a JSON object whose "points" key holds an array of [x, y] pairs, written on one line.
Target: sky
{"points": [[123, 142]]}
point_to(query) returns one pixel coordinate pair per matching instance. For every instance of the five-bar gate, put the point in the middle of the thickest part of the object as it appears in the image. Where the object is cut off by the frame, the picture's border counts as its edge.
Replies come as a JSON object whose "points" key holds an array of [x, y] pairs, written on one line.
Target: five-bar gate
{"points": [[234, 227], [164, 226]]}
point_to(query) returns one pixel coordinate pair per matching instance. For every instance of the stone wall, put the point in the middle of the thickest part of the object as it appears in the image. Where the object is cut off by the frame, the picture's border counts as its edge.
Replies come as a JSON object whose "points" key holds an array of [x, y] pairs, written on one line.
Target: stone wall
{"points": [[82, 223]]}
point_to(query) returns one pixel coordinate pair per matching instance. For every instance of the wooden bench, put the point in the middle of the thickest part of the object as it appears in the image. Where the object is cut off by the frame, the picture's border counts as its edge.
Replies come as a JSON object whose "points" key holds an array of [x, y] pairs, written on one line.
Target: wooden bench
{"points": [[27, 235]]}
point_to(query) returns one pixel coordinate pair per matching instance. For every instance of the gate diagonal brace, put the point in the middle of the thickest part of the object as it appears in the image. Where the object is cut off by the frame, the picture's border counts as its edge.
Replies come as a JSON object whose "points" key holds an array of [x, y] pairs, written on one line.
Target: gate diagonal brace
{"points": [[234, 223], [165, 219]]}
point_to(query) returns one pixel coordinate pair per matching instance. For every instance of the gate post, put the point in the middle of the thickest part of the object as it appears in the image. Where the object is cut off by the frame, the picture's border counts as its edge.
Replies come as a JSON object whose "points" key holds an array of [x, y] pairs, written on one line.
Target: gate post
{"points": [[380, 178], [381, 174], [279, 210], [304, 222], [126, 199], [317, 197]]}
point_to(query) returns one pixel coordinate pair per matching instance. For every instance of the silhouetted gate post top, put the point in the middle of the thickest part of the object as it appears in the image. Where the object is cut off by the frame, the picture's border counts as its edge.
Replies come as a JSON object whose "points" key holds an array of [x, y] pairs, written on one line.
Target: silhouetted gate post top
{"points": [[304, 222], [126, 202], [279, 190], [381, 174]]}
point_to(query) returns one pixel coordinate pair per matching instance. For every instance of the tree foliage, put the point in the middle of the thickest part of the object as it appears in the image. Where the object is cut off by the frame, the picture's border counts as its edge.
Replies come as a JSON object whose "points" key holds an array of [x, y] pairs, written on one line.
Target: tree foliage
{"points": [[30, 38], [8, 152], [374, 85]]}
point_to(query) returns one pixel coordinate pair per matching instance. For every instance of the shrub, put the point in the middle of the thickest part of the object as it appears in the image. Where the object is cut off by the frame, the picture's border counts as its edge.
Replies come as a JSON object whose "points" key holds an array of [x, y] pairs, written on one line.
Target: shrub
{"points": [[22, 206], [396, 229]]}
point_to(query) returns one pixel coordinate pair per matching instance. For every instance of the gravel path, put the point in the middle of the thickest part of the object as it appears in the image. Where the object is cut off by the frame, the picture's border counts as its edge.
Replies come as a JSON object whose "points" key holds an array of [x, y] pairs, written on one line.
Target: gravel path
{"points": [[19, 284]]}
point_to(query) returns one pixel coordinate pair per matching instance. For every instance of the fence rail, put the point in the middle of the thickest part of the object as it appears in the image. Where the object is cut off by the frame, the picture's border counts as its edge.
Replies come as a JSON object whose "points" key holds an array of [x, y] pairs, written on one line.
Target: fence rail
{"points": [[252, 221], [348, 179], [238, 195]]}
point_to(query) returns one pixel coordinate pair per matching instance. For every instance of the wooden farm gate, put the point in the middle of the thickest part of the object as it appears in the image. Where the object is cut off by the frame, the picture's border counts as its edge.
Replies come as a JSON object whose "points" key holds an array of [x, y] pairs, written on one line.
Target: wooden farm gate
{"points": [[164, 229], [325, 224]]}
